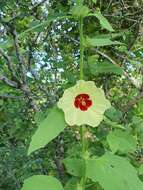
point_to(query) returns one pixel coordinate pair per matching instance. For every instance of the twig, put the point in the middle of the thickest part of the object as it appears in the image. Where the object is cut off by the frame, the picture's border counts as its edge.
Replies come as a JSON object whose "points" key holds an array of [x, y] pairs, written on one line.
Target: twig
{"points": [[8, 81]]}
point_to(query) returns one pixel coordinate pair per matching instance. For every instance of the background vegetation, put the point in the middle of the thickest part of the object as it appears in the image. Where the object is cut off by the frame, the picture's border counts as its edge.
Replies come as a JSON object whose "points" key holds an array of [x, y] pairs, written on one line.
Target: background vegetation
{"points": [[39, 59]]}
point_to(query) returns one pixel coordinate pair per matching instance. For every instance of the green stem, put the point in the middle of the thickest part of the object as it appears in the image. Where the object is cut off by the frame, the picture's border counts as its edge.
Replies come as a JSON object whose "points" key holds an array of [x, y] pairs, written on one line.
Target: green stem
{"points": [[83, 140], [84, 149], [83, 128], [81, 48]]}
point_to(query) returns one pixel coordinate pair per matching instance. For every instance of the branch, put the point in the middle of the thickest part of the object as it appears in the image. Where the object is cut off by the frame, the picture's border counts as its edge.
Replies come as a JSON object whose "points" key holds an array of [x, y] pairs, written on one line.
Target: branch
{"points": [[24, 86], [131, 79], [28, 95], [134, 101], [7, 96], [22, 69], [8, 81], [9, 63]]}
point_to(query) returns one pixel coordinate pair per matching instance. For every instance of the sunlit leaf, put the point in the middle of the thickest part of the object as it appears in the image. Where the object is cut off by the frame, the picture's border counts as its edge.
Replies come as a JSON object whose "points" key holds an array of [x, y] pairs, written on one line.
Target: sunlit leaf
{"points": [[42, 182], [121, 141], [97, 42], [105, 68], [48, 129], [113, 172]]}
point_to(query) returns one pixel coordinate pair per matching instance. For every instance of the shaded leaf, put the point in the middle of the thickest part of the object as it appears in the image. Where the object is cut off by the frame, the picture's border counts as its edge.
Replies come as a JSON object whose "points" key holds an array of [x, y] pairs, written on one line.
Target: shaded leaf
{"points": [[74, 166], [114, 114], [113, 124], [72, 184], [103, 21]]}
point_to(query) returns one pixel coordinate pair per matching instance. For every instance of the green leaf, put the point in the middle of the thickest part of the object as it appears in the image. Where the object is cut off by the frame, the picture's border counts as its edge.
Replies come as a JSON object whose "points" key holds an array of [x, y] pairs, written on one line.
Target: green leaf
{"points": [[48, 129], [113, 173], [105, 67], [121, 141], [41, 182], [111, 35], [114, 114], [80, 11], [103, 21], [74, 166], [41, 26], [113, 124], [97, 42]]}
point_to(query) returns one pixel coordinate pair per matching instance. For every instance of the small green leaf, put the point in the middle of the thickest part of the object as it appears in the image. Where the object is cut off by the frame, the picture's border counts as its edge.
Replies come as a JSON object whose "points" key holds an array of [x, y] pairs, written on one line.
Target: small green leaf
{"points": [[113, 173], [80, 11], [121, 141], [74, 166], [48, 129], [41, 182], [97, 42], [103, 21]]}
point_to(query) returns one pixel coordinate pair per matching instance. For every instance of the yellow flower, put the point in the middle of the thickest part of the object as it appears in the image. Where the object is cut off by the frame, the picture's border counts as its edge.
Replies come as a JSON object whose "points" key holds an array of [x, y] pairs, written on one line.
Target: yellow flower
{"points": [[84, 103]]}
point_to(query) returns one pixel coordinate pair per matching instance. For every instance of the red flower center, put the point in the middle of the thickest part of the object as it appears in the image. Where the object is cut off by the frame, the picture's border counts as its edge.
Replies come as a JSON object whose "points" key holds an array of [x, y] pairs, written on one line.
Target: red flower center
{"points": [[83, 102]]}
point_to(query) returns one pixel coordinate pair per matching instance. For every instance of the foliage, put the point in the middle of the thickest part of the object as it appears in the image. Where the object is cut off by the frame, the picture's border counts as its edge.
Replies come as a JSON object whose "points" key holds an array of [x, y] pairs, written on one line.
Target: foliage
{"points": [[39, 59]]}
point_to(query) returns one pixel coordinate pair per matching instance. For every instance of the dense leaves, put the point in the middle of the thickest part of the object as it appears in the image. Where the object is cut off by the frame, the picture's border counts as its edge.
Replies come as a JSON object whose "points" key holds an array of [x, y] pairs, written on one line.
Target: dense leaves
{"points": [[39, 59]]}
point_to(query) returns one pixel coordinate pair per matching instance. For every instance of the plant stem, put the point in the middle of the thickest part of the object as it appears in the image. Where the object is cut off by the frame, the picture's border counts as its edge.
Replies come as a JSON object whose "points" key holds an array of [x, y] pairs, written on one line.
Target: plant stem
{"points": [[81, 48], [84, 149], [83, 128]]}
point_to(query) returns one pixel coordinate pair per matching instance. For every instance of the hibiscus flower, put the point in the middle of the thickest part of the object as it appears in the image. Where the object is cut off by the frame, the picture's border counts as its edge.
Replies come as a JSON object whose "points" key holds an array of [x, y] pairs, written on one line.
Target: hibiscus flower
{"points": [[83, 104]]}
